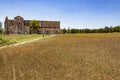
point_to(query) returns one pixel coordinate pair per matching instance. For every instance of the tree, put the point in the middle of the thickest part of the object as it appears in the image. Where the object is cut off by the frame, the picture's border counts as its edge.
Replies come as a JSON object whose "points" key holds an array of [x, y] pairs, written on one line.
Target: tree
{"points": [[73, 30], [94, 31], [1, 29], [106, 29], [64, 31], [101, 30], [87, 30], [117, 28], [68, 29], [34, 25], [77, 30], [111, 29]]}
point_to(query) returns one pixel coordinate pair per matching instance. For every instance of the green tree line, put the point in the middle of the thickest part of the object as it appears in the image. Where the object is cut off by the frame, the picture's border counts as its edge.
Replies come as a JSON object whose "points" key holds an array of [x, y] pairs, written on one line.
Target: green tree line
{"points": [[106, 29]]}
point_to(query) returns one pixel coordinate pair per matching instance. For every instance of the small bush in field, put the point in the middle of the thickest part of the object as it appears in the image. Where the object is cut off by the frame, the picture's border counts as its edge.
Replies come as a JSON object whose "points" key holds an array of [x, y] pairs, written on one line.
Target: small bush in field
{"points": [[6, 41]]}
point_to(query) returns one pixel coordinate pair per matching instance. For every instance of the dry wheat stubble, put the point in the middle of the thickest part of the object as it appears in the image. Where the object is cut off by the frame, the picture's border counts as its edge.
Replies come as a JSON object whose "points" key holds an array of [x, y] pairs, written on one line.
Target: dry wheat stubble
{"points": [[63, 57]]}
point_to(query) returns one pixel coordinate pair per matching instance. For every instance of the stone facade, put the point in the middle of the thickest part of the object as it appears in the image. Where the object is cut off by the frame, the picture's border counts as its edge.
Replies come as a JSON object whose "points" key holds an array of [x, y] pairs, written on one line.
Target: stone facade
{"points": [[21, 26]]}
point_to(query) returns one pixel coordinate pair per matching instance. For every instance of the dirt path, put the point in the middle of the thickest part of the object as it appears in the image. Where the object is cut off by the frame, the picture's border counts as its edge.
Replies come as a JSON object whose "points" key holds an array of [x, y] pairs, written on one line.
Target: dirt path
{"points": [[26, 42]]}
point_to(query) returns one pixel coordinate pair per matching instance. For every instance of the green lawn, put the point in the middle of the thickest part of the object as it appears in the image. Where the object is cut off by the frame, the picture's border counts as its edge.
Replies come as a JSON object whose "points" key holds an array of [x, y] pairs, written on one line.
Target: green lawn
{"points": [[18, 38], [24, 37]]}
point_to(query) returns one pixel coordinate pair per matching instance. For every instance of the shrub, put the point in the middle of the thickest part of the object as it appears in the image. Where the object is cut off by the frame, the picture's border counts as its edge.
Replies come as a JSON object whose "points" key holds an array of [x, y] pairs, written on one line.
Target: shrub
{"points": [[6, 41]]}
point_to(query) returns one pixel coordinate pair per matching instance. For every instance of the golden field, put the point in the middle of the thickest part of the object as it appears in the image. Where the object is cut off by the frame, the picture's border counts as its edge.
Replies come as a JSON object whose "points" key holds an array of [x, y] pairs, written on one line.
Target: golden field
{"points": [[64, 57]]}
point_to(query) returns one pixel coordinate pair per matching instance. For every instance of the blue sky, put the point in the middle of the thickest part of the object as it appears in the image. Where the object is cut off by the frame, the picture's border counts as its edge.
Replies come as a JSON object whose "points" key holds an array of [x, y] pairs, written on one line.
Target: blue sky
{"points": [[71, 13]]}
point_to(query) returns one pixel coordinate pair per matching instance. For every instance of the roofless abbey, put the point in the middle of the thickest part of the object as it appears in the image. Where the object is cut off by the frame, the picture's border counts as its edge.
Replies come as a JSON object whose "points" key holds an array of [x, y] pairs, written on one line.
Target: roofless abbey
{"points": [[19, 26]]}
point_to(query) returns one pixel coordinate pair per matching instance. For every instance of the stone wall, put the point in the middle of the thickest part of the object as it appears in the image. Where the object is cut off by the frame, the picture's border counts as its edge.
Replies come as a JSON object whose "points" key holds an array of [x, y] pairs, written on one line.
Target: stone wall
{"points": [[20, 26]]}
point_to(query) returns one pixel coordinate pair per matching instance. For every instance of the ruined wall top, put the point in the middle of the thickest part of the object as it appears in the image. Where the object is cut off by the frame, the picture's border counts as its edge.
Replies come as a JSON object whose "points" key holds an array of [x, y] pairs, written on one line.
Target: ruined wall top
{"points": [[19, 18], [6, 18]]}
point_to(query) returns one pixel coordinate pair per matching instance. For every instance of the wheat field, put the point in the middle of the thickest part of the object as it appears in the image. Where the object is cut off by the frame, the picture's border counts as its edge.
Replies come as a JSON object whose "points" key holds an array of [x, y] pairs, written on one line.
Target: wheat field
{"points": [[64, 57]]}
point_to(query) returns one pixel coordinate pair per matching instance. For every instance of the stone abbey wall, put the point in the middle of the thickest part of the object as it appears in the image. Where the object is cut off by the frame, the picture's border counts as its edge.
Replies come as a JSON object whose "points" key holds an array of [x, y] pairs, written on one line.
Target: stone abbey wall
{"points": [[19, 26]]}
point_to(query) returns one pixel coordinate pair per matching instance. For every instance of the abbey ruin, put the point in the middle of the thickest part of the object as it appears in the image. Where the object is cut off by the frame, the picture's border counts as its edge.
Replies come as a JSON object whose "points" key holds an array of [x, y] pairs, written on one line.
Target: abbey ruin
{"points": [[20, 26]]}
